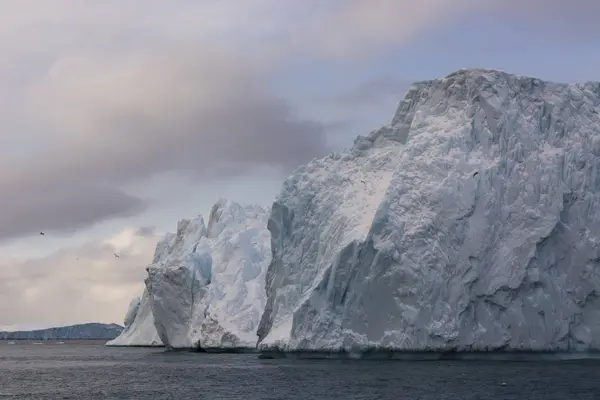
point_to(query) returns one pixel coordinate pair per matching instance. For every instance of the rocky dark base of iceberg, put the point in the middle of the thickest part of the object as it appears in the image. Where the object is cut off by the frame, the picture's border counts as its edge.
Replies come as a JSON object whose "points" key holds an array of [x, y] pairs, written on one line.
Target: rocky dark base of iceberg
{"points": [[216, 350], [231, 350], [145, 346], [378, 354]]}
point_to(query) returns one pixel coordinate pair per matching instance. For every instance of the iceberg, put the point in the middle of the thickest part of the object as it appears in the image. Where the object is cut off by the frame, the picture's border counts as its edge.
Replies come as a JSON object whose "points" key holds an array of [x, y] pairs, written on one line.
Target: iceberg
{"points": [[139, 325], [206, 284], [471, 222]]}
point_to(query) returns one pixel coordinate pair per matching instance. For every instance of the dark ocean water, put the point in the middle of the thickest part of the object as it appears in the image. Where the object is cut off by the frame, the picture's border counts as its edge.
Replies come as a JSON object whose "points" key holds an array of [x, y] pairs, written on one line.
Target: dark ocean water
{"points": [[92, 371]]}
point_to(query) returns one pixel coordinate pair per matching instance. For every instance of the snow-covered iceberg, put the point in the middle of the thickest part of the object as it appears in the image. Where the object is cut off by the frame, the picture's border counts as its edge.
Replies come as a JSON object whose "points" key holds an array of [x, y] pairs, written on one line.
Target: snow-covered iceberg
{"points": [[139, 325], [470, 222], [206, 284]]}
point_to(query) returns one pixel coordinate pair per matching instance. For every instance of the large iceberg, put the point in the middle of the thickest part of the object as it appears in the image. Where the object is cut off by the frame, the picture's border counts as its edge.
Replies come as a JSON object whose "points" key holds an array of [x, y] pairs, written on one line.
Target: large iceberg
{"points": [[139, 325], [206, 284], [471, 223]]}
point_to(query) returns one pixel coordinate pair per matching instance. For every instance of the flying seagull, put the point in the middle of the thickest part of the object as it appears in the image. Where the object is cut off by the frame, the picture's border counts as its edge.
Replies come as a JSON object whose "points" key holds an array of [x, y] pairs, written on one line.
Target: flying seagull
{"points": [[116, 255], [475, 174], [42, 233]]}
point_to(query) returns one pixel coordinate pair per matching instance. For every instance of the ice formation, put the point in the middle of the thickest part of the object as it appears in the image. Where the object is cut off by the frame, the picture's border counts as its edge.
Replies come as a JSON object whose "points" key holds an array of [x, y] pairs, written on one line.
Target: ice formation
{"points": [[139, 325], [206, 284], [470, 222]]}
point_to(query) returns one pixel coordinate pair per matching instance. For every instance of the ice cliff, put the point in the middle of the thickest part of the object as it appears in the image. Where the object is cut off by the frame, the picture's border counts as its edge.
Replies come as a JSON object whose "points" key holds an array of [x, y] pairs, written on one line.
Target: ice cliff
{"points": [[139, 325], [206, 284], [470, 222]]}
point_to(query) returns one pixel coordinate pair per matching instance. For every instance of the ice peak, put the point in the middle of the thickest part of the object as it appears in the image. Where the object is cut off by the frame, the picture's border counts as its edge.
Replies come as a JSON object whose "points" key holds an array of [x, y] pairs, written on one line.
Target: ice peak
{"points": [[475, 226], [208, 289], [481, 92], [205, 285], [475, 72], [215, 215], [182, 225]]}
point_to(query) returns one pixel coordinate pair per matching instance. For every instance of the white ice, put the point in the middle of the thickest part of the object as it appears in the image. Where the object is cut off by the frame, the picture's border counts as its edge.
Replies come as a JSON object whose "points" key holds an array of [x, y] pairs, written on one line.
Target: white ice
{"points": [[470, 222], [206, 284]]}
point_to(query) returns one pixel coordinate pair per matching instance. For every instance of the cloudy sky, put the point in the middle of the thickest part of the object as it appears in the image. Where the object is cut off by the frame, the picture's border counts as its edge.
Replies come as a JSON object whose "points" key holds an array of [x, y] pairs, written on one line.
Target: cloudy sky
{"points": [[119, 117]]}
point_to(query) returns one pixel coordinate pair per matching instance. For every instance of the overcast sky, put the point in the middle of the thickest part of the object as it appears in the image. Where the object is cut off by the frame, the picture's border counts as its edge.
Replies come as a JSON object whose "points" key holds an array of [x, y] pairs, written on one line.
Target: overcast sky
{"points": [[119, 117]]}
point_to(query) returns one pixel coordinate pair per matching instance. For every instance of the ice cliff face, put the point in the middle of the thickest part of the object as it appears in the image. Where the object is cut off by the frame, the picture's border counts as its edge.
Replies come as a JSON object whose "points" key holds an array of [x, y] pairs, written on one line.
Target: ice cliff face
{"points": [[206, 284], [471, 222], [139, 325]]}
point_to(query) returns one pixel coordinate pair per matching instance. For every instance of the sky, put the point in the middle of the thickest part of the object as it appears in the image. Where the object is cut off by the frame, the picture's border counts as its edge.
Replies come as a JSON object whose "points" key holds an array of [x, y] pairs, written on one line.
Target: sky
{"points": [[120, 117]]}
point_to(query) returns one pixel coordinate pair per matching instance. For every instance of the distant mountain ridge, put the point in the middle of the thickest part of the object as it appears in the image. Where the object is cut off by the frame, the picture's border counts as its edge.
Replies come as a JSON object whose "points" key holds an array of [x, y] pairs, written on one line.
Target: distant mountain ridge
{"points": [[90, 331]]}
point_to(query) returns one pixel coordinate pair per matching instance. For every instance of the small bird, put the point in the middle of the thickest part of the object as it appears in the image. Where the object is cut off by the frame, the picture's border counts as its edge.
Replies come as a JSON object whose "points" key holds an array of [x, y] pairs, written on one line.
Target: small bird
{"points": [[116, 255], [363, 181], [42, 233], [475, 174]]}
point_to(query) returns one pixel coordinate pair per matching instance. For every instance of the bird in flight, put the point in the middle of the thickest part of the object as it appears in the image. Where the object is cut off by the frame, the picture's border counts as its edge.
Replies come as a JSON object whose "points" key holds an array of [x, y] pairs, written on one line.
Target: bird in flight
{"points": [[116, 255], [42, 233]]}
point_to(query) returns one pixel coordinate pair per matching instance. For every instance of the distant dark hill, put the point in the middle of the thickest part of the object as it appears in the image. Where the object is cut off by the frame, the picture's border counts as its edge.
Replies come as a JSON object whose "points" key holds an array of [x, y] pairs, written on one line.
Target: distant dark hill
{"points": [[91, 331]]}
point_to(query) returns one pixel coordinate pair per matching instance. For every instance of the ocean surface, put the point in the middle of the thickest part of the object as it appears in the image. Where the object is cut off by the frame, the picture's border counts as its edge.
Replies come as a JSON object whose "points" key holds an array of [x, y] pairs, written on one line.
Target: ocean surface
{"points": [[88, 370]]}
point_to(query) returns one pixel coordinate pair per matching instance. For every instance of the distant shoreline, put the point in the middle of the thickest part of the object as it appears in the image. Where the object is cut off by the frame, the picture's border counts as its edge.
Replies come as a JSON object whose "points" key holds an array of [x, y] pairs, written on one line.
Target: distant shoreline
{"points": [[88, 342], [87, 331], [103, 340]]}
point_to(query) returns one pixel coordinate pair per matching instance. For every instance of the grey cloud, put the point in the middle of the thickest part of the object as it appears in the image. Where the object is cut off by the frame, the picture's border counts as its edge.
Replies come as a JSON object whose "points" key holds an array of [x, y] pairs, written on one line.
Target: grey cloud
{"points": [[59, 206], [359, 29], [114, 119], [562, 19], [362, 29], [146, 231], [170, 111], [375, 91], [74, 284], [154, 93]]}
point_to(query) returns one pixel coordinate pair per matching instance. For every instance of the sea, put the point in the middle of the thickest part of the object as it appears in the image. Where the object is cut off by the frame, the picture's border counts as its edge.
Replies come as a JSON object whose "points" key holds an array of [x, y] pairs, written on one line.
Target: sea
{"points": [[89, 370]]}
